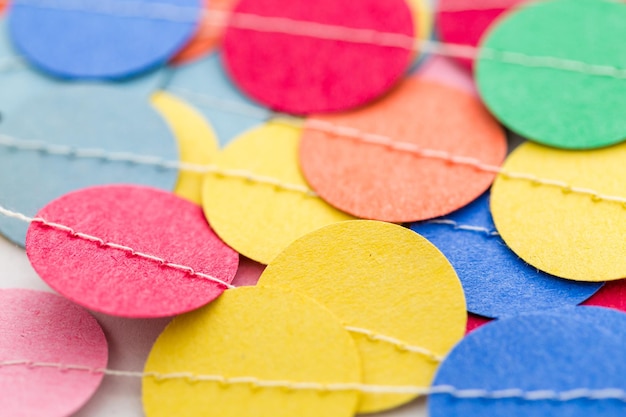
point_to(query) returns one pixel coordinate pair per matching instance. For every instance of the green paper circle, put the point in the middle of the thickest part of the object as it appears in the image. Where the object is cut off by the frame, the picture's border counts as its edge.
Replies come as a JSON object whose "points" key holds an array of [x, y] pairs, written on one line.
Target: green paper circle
{"points": [[554, 106]]}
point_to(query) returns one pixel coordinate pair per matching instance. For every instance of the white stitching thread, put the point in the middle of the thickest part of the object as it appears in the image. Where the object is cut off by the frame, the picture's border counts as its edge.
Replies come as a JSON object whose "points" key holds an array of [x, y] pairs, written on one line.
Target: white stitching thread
{"points": [[102, 243], [148, 160], [331, 32], [466, 227], [461, 393], [399, 344]]}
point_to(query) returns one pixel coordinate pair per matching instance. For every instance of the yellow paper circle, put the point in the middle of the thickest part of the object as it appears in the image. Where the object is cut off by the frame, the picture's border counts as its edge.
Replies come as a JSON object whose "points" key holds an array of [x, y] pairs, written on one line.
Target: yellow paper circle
{"points": [[197, 143], [258, 332], [562, 231], [258, 219], [388, 280]]}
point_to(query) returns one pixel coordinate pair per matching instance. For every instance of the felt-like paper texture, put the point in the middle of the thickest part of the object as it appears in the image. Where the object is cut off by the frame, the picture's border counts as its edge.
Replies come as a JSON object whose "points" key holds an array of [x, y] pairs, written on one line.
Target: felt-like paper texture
{"points": [[20, 82], [79, 117], [260, 220], [372, 181], [204, 85], [115, 282], [495, 280], [255, 332], [612, 295], [562, 350], [43, 327], [77, 39], [564, 233], [388, 280], [464, 22], [208, 35], [197, 142], [556, 107], [305, 74]]}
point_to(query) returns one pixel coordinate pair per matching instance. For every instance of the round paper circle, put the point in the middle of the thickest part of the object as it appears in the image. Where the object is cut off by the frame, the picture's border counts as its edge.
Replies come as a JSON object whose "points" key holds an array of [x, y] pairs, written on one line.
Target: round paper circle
{"points": [[196, 140], [561, 231], [557, 352], [464, 22], [79, 134], [263, 333], [383, 281], [204, 85], [294, 65], [495, 280], [41, 327], [365, 162], [474, 322], [125, 282], [104, 40], [554, 101], [254, 217]]}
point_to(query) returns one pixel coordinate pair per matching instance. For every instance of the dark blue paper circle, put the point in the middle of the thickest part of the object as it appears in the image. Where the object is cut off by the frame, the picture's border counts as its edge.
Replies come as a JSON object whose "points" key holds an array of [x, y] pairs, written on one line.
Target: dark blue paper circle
{"points": [[102, 39], [496, 281], [37, 169], [559, 351]]}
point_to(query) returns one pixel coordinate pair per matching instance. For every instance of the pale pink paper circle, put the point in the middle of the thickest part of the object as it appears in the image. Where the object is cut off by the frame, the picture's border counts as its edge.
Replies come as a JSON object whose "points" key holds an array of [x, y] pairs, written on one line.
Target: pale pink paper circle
{"points": [[38, 326], [166, 267]]}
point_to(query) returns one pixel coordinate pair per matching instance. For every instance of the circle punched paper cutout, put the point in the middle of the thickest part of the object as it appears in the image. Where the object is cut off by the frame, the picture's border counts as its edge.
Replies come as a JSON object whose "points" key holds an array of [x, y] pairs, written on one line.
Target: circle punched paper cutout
{"points": [[306, 57], [561, 80], [391, 160], [573, 351], [496, 282], [263, 333], [261, 203], [101, 39], [396, 293], [39, 327], [147, 253], [565, 213]]}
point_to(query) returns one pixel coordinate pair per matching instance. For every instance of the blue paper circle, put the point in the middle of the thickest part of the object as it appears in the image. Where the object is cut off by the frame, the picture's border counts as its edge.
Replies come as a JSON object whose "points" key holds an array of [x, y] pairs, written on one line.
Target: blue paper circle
{"points": [[496, 281], [79, 117], [575, 348], [19, 82], [102, 39], [205, 85]]}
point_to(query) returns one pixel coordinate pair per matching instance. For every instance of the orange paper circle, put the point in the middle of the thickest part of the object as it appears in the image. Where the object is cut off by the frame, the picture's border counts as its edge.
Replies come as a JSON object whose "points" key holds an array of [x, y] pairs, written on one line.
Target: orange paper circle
{"points": [[353, 169]]}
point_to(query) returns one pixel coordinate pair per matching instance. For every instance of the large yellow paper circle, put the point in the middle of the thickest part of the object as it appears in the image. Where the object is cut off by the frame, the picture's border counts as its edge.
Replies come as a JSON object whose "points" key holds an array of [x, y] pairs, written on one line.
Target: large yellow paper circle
{"points": [[258, 219], [265, 333], [196, 140], [563, 232], [385, 279]]}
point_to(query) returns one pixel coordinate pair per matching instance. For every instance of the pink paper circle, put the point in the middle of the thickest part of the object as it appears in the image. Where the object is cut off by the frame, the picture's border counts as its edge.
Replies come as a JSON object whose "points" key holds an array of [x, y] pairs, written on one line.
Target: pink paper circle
{"points": [[248, 273], [304, 74], [41, 327], [464, 21], [116, 281]]}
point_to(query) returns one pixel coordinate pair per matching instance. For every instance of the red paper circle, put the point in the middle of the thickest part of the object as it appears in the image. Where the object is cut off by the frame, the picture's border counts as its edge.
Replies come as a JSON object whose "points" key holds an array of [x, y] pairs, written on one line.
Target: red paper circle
{"points": [[305, 74], [119, 282]]}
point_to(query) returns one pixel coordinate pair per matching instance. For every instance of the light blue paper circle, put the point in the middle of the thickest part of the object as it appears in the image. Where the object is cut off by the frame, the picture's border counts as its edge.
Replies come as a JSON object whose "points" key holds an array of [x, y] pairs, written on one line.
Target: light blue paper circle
{"points": [[205, 85], [102, 39], [495, 280], [558, 351], [78, 117]]}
